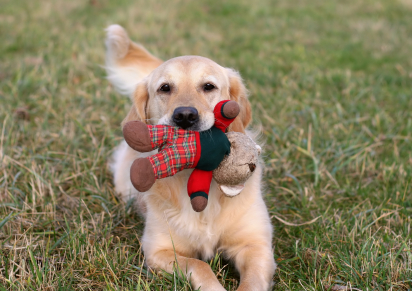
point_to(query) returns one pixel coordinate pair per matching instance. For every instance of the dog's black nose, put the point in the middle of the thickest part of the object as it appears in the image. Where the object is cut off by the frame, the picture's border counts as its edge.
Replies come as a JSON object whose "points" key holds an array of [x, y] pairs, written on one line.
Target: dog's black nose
{"points": [[185, 117]]}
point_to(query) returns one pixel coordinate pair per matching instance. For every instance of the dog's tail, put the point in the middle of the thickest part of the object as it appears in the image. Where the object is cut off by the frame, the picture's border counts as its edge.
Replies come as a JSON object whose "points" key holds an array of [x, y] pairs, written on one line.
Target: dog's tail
{"points": [[126, 62]]}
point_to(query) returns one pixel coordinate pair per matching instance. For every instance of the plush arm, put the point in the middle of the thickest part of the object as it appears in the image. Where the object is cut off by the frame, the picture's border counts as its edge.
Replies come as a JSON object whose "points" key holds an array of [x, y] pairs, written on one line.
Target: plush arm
{"points": [[225, 113], [199, 183], [160, 135]]}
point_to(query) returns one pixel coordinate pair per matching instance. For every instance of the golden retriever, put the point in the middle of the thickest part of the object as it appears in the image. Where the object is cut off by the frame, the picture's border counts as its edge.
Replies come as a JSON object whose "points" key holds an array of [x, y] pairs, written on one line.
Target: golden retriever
{"points": [[239, 227]]}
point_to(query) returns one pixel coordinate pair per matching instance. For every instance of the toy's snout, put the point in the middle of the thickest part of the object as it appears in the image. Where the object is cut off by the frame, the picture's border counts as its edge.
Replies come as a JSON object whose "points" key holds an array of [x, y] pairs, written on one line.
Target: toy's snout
{"points": [[231, 191]]}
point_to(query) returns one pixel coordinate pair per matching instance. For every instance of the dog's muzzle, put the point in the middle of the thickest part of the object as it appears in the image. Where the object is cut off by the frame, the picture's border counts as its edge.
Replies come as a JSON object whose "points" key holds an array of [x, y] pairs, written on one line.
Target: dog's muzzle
{"points": [[185, 117]]}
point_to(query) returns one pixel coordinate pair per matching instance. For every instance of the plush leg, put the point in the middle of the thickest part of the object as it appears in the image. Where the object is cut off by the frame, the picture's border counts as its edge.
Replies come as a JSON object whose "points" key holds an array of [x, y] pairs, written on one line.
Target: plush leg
{"points": [[145, 171], [137, 136], [142, 174], [198, 188]]}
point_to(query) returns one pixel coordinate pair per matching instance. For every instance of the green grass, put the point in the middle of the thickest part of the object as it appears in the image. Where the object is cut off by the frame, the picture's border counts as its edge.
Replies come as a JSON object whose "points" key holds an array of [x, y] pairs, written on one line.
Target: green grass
{"points": [[330, 82]]}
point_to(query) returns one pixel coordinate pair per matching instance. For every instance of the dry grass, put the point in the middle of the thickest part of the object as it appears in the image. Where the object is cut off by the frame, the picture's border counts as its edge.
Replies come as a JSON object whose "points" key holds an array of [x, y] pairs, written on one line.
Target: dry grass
{"points": [[330, 82]]}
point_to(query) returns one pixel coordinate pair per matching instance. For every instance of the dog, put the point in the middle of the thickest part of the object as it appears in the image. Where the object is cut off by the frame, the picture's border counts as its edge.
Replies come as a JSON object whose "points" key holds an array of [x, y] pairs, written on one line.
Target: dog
{"points": [[183, 92]]}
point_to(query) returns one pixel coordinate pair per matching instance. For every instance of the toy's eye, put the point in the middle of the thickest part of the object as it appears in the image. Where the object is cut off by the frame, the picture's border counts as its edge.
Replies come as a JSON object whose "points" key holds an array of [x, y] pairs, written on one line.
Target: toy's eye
{"points": [[252, 167], [165, 88], [208, 87]]}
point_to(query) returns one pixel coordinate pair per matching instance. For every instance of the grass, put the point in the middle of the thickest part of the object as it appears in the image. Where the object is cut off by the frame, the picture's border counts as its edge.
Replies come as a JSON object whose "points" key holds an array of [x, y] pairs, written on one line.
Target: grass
{"points": [[330, 84]]}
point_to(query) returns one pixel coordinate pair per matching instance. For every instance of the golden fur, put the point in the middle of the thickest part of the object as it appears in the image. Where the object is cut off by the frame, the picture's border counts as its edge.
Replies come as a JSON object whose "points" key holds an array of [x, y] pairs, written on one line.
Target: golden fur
{"points": [[238, 227]]}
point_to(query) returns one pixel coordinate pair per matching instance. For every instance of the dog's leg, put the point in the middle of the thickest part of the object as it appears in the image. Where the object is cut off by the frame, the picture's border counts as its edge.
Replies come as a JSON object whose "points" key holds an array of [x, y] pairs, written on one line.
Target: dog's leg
{"points": [[256, 266], [199, 272], [248, 242]]}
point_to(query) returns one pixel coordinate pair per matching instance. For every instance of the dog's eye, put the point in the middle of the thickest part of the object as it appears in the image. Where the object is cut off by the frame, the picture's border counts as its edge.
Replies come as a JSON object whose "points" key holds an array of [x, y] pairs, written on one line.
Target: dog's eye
{"points": [[165, 88], [208, 87]]}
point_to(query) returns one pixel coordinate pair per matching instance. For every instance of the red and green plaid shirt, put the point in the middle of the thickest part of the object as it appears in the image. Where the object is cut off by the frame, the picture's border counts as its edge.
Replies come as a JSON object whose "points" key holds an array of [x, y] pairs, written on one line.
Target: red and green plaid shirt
{"points": [[177, 149]]}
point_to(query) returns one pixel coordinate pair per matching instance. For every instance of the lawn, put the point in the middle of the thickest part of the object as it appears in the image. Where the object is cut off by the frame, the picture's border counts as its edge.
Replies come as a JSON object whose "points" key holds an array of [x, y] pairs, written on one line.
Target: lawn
{"points": [[331, 87]]}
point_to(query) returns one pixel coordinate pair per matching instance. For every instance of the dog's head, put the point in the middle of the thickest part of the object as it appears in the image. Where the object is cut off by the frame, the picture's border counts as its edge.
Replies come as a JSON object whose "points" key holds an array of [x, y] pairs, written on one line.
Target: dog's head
{"points": [[183, 92]]}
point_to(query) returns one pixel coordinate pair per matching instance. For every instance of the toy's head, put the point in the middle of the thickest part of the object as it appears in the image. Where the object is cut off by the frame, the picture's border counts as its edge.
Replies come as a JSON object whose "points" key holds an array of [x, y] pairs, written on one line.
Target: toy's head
{"points": [[239, 165]]}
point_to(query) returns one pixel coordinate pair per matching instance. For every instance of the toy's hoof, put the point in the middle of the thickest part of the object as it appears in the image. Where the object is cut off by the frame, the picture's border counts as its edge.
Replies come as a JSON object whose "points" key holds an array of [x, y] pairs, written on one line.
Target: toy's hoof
{"points": [[231, 109], [137, 136], [199, 203], [142, 174]]}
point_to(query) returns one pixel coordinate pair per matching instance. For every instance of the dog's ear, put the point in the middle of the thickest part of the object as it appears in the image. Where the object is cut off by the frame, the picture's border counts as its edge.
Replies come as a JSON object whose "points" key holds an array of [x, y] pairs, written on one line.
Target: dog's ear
{"points": [[238, 93], [140, 100]]}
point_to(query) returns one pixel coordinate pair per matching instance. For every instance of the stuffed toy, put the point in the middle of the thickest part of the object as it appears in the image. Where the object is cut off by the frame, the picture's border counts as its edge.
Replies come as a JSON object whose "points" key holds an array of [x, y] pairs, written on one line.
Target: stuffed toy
{"points": [[181, 149]]}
